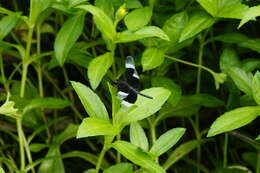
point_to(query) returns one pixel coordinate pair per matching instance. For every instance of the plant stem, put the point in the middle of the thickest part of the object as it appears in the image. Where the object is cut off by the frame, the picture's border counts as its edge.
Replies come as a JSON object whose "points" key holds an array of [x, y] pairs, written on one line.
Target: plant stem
{"points": [[100, 158], [197, 118], [3, 73], [191, 64], [21, 135], [258, 162], [20, 130], [225, 151]]}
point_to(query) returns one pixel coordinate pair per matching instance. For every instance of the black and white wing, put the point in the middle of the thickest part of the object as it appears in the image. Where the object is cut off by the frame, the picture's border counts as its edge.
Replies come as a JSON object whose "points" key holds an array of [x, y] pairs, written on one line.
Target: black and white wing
{"points": [[127, 91], [131, 74]]}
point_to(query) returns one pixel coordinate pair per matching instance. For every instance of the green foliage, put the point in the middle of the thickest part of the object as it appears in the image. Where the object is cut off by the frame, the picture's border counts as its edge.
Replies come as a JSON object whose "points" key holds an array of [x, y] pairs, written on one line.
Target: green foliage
{"points": [[198, 60]]}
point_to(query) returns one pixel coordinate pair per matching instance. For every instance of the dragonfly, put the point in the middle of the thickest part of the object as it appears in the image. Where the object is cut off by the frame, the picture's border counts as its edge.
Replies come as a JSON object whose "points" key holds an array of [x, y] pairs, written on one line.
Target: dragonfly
{"points": [[128, 90]]}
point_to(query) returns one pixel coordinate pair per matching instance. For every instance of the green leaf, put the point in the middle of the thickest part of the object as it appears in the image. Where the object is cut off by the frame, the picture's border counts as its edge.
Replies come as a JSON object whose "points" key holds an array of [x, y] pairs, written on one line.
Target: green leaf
{"points": [[171, 86], [68, 133], [56, 164], [106, 6], [90, 171], [180, 152], [98, 68], [250, 64], [242, 80], [103, 22], [197, 23], [36, 8], [137, 156], [146, 107], [91, 102], [145, 32], [52, 165], [253, 44], [46, 102], [8, 109], [7, 23], [37, 147], [152, 57], [250, 14], [185, 108], [232, 37], [167, 141], [206, 100], [256, 87], [229, 58], [2, 170], [95, 127], [138, 137], [224, 8], [67, 37], [89, 157], [233, 119], [258, 137], [138, 18], [174, 25], [120, 168]]}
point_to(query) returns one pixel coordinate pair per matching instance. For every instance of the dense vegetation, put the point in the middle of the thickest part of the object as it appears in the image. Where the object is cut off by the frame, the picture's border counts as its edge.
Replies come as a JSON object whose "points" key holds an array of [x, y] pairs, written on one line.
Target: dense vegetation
{"points": [[199, 60]]}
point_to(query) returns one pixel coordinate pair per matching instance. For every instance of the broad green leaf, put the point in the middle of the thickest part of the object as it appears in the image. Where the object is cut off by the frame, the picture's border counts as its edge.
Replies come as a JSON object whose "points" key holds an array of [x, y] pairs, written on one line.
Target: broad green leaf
{"points": [[138, 137], [76, 56], [46, 102], [133, 4], [197, 23], [138, 18], [250, 64], [224, 8], [98, 68], [253, 44], [250, 14], [137, 156], [68, 133], [106, 6], [167, 141], [2, 170], [37, 147], [174, 25], [233, 37], [242, 80], [234, 119], [52, 165], [171, 86], [36, 8], [256, 87], [146, 107], [152, 57], [120, 168], [90, 171], [103, 22], [180, 152], [8, 109], [73, 3], [95, 127], [67, 36], [7, 23], [206, 100], [258, 137], [56, 164], [145, 32], [185, 108], [229, 58], [91, 102], [87, 156]]}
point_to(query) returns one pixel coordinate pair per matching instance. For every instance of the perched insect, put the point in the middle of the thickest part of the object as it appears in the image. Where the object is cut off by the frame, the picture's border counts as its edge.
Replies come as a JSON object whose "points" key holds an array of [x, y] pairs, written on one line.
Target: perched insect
{"points": [[127, 91]]}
